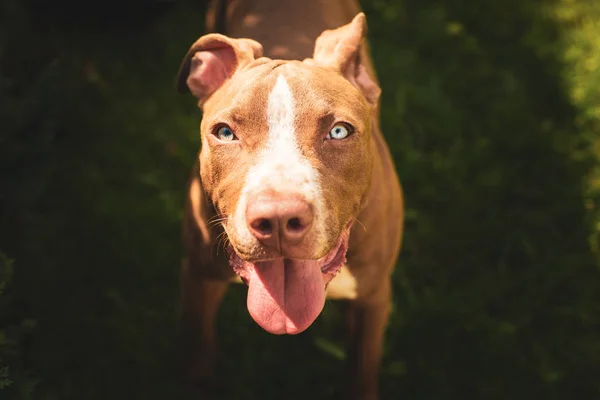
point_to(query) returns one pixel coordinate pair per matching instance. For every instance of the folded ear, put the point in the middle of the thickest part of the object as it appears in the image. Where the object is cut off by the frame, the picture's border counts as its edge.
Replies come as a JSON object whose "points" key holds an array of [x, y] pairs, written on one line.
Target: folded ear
{"points": [[212, 60], [341, 49]]}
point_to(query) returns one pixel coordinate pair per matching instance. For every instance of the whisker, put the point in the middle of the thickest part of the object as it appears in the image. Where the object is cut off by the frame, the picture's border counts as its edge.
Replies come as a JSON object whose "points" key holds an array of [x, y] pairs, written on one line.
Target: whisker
{"points": [[215, 222], [215, 217], [221, 240], [216, 242], [361, 224], [226, 243]]}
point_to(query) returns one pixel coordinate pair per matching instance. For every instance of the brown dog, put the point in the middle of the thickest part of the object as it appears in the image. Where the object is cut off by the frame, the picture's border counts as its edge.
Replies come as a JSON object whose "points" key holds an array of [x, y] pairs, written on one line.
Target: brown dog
{"points": [[294, 176]]}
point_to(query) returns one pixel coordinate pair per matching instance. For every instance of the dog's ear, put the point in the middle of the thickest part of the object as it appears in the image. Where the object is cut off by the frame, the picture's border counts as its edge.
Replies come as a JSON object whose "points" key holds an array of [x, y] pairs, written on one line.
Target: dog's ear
{"points": [[212, 60], [341, 49]]}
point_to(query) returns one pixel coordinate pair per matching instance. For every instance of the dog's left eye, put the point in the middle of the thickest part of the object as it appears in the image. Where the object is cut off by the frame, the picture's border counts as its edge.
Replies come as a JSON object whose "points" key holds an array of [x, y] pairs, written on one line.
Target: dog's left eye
{"points": [[226, 134], [339, 131]]}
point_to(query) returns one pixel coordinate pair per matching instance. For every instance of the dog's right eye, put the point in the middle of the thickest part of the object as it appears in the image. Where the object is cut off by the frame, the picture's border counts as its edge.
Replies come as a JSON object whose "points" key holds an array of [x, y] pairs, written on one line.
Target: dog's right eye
{"points": [[225, 134], [339, 131]]}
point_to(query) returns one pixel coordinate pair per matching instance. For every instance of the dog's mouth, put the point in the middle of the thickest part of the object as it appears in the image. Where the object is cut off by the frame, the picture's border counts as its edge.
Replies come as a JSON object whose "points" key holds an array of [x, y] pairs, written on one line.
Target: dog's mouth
{"points": [[287, 295]]}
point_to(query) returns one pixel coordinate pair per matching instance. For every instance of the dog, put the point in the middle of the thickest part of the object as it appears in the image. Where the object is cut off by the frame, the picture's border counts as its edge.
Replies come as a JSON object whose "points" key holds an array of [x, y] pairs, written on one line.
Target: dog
{"points": [[294, 178]]}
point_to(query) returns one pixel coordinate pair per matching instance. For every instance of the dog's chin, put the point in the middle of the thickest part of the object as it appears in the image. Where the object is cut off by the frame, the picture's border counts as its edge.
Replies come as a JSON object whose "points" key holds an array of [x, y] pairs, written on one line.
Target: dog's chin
{"points": [[286, 295]]}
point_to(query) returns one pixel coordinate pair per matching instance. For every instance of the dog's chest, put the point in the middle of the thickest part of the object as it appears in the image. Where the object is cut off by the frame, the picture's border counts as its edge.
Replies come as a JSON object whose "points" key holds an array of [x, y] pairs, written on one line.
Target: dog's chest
{"points": [[343, 286]]}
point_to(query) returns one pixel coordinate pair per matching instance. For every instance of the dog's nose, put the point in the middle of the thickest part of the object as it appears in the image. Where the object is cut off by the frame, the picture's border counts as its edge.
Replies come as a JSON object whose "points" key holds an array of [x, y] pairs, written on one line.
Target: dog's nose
{"points": [[277, 220]]}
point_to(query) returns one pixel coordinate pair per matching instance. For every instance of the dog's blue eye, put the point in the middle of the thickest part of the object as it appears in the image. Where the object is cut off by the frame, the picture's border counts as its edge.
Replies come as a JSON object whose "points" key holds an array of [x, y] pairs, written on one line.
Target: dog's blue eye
{"points": [[226, 134], [339, 131]]}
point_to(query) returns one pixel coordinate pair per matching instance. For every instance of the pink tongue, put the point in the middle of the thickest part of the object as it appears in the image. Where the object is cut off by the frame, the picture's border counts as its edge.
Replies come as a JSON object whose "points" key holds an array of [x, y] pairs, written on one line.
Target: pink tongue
{"points": [[285, 296]]}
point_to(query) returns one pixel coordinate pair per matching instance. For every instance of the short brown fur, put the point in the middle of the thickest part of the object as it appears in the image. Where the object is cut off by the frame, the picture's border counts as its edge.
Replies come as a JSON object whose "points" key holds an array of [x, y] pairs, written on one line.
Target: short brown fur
{"points": [[375, 239]]}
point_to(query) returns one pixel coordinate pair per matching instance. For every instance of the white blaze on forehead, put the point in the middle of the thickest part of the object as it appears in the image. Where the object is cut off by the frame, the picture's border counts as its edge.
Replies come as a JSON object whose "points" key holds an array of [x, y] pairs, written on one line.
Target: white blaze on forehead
{"points": [[280, 165], [280, 115]]}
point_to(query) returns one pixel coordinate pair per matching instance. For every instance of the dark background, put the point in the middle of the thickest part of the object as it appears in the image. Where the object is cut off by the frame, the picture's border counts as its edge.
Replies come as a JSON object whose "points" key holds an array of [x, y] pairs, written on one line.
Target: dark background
{"points": [[491, 109]]}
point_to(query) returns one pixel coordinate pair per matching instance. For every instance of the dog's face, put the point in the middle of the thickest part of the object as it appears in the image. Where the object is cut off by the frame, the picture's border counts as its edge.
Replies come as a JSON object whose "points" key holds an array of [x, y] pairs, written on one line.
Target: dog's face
{"points": [[286, 161], [280, 130]]}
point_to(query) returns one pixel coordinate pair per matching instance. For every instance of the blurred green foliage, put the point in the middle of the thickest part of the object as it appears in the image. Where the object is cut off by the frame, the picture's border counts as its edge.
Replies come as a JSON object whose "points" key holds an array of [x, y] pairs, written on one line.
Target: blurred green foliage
{"points": [[492, 114], [6, 271]]}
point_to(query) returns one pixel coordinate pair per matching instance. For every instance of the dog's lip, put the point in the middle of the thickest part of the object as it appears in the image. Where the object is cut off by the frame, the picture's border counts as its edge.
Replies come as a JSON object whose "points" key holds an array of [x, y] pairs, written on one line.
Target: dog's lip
{"points": [[267, 256], [331, 263], [270, 255]]}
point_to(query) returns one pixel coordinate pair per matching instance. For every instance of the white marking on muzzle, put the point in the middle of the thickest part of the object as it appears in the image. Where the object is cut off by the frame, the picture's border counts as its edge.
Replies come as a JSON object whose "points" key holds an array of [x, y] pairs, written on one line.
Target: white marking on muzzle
{"points": [[280, 166]]}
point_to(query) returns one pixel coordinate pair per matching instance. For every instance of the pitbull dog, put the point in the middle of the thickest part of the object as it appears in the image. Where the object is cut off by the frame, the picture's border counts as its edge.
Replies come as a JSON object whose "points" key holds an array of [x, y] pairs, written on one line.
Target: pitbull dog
{"points": [[294, 179]]}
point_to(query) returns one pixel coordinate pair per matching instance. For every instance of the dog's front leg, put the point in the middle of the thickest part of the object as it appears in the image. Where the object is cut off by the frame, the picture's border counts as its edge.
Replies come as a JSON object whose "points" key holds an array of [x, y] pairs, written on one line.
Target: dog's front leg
{"points": [[200, 301], [366, 322]]}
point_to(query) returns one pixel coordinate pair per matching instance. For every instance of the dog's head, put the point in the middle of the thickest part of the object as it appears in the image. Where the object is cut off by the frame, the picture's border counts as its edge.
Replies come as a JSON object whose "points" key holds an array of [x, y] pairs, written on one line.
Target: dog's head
{"points": [[286, 160]]}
